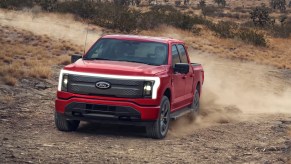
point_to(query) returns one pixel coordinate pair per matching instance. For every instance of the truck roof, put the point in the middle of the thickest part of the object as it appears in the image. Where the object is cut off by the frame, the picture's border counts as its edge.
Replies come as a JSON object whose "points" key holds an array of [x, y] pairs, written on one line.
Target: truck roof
{"points": [[143, 38]]}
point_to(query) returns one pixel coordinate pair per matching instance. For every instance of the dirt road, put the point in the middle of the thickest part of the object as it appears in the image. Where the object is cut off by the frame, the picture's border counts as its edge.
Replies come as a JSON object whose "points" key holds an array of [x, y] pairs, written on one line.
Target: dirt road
{"points": [[245, 118]]}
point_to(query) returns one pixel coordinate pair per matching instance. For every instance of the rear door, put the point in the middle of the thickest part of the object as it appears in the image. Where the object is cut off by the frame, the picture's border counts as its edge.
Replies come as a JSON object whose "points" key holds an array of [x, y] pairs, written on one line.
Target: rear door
{"points": [[188, 77], [178, 81]]}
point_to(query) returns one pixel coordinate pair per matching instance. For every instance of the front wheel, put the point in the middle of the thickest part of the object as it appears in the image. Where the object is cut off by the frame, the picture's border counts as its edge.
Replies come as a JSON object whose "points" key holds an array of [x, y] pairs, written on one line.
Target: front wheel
{"points": [[160, 127], [63, 124]]}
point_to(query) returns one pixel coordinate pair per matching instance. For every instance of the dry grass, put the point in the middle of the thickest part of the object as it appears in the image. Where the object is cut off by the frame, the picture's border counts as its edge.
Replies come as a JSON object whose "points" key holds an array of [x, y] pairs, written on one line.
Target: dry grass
{"points": [[7, 99], [39, 71], [9, 80], [64, 60], [23, 54]]}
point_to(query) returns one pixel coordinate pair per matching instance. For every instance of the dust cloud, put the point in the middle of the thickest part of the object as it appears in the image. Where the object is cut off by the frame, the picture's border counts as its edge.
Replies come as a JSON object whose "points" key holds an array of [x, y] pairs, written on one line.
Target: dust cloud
{"points": [[249, 87], [236, 91], [58, 26]]}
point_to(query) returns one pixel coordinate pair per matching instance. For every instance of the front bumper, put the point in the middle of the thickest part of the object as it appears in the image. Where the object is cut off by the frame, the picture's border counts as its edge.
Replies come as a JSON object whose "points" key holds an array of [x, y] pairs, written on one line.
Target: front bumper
{"points": [[105, 110]]}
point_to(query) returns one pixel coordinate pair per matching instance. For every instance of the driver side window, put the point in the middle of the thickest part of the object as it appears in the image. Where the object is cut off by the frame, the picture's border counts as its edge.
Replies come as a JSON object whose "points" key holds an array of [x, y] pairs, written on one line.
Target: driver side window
{"points": [[175, 56]]}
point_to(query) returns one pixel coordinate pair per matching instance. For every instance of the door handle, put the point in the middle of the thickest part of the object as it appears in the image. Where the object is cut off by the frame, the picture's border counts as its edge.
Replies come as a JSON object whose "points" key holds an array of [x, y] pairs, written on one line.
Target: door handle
{"points": [[184, 77]]}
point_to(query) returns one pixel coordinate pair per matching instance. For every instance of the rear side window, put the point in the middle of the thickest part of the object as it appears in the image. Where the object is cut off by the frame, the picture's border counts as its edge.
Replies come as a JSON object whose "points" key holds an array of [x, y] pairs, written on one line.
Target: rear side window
{"points": [[182, 53], [175, 56]]}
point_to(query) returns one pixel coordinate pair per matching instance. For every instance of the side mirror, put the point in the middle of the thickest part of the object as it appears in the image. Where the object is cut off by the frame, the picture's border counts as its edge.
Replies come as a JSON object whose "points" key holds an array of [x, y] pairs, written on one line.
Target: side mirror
{"points": [[182, 68], [75, 57]]}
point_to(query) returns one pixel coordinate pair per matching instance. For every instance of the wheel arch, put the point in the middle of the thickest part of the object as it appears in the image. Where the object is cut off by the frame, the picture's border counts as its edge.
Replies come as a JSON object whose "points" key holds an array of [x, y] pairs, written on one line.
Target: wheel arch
{"points": [[198, 87], [168, 93]]}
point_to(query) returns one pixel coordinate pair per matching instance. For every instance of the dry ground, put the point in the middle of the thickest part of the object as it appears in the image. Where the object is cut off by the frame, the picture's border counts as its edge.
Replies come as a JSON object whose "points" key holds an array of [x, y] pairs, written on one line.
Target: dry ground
{"points": [[245, 106], [23, 54]]}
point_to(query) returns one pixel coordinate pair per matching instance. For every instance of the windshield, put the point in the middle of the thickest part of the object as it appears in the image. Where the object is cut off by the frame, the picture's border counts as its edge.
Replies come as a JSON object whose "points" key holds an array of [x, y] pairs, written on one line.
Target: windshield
{"points": [[151, 53]]}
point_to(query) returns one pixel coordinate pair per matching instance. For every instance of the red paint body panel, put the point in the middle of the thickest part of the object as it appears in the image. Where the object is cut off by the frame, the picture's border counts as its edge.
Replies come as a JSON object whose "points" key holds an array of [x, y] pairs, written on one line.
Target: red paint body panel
{"points": [[147, 112], [115, 68], [181, 87]]}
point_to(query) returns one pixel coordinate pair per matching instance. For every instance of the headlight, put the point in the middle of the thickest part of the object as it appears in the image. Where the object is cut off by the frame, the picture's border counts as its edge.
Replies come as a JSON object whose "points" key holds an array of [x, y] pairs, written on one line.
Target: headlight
{"points": [[65, 82], [148, 88]]}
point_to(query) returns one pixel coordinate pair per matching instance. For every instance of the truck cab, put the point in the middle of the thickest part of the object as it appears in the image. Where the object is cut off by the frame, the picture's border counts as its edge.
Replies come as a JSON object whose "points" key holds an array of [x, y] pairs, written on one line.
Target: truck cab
{"points": [[132, 80]]}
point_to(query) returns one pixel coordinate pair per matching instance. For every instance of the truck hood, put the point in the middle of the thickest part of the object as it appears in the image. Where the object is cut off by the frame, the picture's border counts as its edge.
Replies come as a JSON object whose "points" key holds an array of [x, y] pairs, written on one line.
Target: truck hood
{"points": [[115, 68]]}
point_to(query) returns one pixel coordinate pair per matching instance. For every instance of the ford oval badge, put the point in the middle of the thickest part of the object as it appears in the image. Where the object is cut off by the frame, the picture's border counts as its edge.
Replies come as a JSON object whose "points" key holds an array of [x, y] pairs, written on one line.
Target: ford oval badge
{"points": [[103, 85]]}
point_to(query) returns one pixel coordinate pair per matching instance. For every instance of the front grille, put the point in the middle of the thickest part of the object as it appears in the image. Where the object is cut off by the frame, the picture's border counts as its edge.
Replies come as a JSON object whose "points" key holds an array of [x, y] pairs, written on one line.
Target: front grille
{"points": [[119, 87]]}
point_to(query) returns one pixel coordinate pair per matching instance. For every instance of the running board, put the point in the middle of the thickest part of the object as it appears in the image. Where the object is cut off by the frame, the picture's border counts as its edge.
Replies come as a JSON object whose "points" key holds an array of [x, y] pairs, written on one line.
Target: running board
{"points": [[181, 112]]}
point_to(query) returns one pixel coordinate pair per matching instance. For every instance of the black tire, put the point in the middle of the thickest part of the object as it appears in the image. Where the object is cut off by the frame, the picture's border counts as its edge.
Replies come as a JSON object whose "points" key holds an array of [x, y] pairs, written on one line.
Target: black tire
{"points": [[65, 125], [159, 129], [195, 106]]}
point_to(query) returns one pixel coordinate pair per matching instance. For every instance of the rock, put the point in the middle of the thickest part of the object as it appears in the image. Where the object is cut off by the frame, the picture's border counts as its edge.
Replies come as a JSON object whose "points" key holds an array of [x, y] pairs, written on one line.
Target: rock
{"points": [[9, 146], [286, 122], [5, 139], [247, 154], [4, 120], [47, 145], [25, 81], [41, 85]]}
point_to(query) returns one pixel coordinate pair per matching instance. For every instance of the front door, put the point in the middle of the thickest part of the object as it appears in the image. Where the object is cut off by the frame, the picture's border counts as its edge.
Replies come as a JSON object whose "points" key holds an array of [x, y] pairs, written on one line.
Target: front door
{"points": [[178, 82]]}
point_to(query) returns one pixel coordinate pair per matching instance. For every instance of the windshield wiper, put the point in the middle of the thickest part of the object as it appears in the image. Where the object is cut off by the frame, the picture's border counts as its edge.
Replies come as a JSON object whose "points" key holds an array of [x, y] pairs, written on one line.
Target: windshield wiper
{"points": [[116, 60], [132, 61], [96, 59]]}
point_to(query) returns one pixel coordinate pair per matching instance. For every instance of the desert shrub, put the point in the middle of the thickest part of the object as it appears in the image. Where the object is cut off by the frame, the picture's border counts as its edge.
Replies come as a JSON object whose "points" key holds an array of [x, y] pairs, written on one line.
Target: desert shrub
{"points": [[130, 2], [137, 2], [232, 30], [281, 31], [211, 11], [47, 5], [283, 19], [84, 9], [178, 3], [252, 37], [186, 2], [125, 19], [261, 16], [220, 2], [234, 15], [248, 24], [278, 4], [16, 4], [224, 29], [166, 15], [201, 4], [107, 15]]}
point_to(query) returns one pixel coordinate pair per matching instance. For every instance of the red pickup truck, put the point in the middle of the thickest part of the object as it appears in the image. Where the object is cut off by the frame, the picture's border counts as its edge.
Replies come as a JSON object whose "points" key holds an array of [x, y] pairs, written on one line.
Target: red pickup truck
{"points": [[132, 80]]}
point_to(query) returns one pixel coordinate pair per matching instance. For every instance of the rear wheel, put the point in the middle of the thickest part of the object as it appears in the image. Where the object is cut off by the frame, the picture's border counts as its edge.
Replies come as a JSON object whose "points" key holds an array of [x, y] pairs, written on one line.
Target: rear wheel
{"points": [[195, 106], [160, 127], [65, 125]]}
